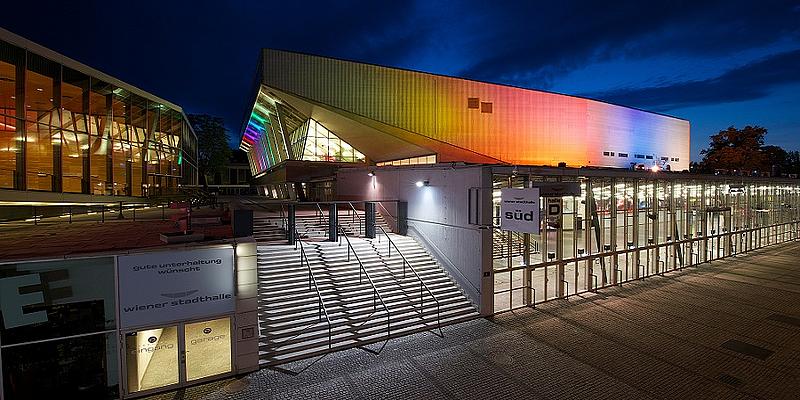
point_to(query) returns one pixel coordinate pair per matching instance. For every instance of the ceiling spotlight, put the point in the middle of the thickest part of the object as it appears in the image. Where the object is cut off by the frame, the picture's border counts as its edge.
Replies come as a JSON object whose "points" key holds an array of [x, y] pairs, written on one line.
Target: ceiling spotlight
{"points": [[423, 183], [371, 173]]}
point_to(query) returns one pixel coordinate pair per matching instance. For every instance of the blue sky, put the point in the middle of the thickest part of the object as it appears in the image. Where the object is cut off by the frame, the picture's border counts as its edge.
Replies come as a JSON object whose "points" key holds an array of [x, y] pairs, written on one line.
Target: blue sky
{"points": [[715, 63]]}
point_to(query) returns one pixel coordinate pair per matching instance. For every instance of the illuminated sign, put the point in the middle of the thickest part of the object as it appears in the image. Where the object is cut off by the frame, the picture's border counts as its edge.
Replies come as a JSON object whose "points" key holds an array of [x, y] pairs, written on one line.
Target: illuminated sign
{"points": [[168, 286], [519, 210]]}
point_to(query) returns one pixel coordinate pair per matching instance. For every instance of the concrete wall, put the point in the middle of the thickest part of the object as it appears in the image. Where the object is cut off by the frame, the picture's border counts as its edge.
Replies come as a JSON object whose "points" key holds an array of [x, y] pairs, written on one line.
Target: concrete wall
{"points": [[438, 216]]}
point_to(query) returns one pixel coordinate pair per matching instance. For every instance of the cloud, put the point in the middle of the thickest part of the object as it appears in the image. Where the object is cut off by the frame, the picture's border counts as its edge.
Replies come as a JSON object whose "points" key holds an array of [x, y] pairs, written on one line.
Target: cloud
{"points": [[749, 82], [529, 44]]}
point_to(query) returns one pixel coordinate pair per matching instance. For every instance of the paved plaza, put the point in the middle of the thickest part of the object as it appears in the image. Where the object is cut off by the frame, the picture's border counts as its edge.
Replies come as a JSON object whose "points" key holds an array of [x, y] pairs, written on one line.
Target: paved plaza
{"points": [[729, 329]]}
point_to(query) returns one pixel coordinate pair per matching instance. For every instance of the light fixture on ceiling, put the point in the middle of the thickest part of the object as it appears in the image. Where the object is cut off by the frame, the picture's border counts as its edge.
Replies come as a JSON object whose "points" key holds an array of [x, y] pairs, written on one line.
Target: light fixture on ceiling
{"points": [[371, 173], [423, 183]]}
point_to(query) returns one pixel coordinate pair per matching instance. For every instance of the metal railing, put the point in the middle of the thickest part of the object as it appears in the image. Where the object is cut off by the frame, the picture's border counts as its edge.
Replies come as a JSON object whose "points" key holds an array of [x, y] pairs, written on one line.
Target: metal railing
{"points": [[376, 295], [353, 219], [321, 309], [77, 213], [322, 219], [421, 282]]}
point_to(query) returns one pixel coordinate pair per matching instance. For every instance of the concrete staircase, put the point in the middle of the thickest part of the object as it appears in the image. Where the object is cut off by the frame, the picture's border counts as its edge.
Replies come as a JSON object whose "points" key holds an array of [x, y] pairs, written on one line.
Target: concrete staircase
{"points": [[293, 324]]}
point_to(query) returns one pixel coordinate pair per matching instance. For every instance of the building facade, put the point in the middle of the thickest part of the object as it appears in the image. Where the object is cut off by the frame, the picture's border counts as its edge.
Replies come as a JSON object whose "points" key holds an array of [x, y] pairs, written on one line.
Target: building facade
{"points": [[315, 108], [66, 128]]}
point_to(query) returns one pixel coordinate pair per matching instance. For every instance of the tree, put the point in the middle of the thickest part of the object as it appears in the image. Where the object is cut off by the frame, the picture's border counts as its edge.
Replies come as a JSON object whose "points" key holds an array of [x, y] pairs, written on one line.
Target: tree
{"points": [[735, 149], [212, 144], [774, 160]]}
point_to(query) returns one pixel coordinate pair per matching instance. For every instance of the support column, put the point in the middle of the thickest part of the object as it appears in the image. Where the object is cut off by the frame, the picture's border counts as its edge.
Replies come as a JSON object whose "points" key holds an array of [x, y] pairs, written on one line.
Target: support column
{"points": [[402, 218], [246, 317], [333, 222], [369, 220], [291, 223]]}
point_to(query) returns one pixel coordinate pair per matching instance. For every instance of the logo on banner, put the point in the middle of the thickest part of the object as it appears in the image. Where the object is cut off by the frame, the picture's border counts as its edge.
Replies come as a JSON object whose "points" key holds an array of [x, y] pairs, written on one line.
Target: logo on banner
{"points": [[519, 210]]}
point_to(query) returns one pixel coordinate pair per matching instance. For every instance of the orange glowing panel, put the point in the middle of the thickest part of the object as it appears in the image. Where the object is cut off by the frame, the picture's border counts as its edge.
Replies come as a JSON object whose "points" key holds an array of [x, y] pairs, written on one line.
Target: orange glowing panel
{"points": [[456, 117]]}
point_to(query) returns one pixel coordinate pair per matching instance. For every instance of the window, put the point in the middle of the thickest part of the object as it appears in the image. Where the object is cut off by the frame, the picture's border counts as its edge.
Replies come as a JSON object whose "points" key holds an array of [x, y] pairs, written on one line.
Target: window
{"points": [[676, 159], [649, 157], [486, 107], [606, 153], [431, 159], [664, 158], [473, 102], [639, 156], [623, 155]]}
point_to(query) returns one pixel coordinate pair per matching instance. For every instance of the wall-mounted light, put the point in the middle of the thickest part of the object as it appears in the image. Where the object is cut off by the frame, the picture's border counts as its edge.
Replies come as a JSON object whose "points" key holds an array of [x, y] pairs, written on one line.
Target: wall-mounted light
{"points": [[371, 173], [423, 183]]}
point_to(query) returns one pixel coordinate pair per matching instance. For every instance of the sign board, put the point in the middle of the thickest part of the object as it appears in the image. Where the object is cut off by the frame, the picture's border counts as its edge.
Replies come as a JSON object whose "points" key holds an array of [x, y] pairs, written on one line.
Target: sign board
{"points": [[557, 189], [519, 210], [553, 206], [166, 286]]}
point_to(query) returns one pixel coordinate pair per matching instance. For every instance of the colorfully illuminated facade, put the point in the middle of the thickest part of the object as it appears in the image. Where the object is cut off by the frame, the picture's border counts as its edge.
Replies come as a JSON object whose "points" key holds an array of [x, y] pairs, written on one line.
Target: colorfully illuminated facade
{"points": [[66, 128], [390, 114]]}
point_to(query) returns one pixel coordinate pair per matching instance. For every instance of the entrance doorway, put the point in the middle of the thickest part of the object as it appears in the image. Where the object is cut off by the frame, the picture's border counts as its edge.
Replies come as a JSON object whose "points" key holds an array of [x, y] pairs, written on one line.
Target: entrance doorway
{"points": [[167, 357]]}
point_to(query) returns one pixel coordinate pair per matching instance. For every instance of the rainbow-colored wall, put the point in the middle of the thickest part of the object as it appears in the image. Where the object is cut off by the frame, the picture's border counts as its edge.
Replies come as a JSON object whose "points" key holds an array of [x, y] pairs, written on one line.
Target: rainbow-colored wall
{"points": [[525, 127]]}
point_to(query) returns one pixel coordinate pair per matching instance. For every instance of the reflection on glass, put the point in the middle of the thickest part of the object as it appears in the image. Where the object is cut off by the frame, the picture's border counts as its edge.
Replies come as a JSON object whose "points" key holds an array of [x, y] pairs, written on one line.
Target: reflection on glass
{"points": [[76, 368], [152, 358], [208, 348]]}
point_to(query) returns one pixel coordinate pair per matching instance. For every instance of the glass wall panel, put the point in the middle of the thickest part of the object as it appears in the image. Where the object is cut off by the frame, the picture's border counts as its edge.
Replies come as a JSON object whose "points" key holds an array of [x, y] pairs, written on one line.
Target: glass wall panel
{"points": [[10, 57], [121, 145], [57, 331], [83, 367], [99, 137], [42, 125], [75, 131]]}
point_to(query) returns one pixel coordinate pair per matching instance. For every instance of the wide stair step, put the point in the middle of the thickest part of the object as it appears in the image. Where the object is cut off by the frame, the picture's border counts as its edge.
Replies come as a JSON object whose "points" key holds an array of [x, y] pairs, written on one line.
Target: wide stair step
{"points": [[299, 320]]}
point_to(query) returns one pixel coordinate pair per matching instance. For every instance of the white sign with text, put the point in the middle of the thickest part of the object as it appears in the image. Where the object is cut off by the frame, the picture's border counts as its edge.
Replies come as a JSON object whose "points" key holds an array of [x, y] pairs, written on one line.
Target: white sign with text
{"points": [[175, 285], [519, 210]]}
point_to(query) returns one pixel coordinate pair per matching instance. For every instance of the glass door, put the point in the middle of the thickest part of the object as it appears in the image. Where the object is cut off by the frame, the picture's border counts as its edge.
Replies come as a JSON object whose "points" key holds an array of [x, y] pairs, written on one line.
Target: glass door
{"points": [[151, 359], [208, 348], [167, 357]]}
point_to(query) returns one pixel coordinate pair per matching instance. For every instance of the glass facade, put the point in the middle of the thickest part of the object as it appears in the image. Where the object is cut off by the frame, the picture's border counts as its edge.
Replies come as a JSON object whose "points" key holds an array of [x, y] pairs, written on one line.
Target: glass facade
{"points": [[58, 332], [626, 228], [62, 130], [275, 133]]}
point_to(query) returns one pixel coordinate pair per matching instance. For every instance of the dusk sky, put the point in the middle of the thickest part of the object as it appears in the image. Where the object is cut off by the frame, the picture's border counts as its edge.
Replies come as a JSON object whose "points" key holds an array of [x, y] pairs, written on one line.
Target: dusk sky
{"points": [[715, 63]]}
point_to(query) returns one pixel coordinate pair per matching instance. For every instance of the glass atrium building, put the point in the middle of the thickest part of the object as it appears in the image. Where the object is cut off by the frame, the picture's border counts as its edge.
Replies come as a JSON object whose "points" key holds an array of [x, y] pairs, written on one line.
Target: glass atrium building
{"points": [[67, 128]]}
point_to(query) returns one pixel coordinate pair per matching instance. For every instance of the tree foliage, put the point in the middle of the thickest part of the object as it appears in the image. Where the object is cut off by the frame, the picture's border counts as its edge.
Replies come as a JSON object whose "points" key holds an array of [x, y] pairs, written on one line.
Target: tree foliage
{"points": [[213, 146], [743, 151], [735, 150]]}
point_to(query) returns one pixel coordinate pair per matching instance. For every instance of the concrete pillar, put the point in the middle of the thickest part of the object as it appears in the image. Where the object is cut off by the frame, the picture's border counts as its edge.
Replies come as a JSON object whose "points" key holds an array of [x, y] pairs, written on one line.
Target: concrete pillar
{"points": [[242, 222], [333, 222], [245, 358], [291, 223], [402, 218], [369, 220]]}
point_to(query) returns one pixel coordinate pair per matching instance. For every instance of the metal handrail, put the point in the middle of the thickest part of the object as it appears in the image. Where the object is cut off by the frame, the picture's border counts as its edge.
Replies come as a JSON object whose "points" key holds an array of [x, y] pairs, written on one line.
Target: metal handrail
{"points": [[394, 219], [360, 223], [311, 279], [371, 282], [421, 283], [321, 214]]}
